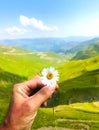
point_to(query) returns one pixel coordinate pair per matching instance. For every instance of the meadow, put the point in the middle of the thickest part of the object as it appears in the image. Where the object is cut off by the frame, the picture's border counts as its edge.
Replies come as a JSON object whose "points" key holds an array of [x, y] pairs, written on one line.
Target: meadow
{"points": [[75, 106]]}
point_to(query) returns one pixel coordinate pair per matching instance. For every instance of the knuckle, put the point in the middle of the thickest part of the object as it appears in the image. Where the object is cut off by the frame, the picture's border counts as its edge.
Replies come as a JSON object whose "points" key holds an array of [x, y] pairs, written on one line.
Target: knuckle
{"points": [[15, 87], [28, 106], [36, 77]]}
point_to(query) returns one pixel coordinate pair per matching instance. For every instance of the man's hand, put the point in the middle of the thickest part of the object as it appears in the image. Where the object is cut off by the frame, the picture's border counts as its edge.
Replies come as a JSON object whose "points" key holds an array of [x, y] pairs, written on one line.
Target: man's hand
{"points": [[26, 98]]}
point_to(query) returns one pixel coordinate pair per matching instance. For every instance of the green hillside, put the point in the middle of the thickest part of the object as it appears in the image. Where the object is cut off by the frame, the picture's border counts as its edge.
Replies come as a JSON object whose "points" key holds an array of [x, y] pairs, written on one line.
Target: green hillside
{"points": [[7, 80], [22, 62], [84, 45], [72, 69], [90, 51], [79, 81], [79, 116]]}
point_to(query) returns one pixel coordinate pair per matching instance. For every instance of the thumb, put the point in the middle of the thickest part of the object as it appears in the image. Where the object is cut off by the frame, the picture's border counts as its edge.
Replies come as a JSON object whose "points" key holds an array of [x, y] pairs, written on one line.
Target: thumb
{"points": [[41, 96]]}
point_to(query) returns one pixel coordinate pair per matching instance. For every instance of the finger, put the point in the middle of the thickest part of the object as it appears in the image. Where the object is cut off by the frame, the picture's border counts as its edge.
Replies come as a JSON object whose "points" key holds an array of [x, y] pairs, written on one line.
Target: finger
{"points": [[26, 88], [41, 96], [34, 83]]}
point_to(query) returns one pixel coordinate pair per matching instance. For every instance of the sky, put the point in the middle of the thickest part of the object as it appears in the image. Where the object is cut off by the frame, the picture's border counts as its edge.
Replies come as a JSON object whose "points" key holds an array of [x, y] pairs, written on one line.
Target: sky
{"points": [[48, 18]]}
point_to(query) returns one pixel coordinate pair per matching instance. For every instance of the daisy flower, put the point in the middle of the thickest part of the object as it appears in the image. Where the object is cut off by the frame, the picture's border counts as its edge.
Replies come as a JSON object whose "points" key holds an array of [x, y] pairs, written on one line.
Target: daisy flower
{"points": [[50, 76]]}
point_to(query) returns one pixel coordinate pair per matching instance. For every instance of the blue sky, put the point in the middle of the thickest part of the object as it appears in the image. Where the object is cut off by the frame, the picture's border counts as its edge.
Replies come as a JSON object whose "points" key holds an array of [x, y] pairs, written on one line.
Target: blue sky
{"points": [[48, 18]]}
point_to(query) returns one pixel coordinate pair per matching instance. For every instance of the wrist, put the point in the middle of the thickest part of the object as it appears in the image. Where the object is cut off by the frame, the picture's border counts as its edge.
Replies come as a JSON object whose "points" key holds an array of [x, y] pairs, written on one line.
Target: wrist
{"points": [[6, 125]]}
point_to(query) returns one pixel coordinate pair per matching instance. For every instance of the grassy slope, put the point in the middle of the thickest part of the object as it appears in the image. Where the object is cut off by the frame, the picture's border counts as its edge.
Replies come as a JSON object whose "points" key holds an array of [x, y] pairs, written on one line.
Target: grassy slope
{"points": [[91, 51], [79, 81], [22, 62], [76, 68], [7, 80], [76, 116]]}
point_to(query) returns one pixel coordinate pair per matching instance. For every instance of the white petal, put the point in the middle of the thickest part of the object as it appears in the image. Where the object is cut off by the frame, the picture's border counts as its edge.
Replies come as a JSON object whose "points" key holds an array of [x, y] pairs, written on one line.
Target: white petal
{"points": [[49, 82]]}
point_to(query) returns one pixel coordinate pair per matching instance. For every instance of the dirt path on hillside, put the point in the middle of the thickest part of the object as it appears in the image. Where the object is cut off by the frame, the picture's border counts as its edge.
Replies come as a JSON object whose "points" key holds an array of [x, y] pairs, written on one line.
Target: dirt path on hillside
{"points": [[72, 120], [10, 53], [40, 54], [81, 123], [54, 128]]}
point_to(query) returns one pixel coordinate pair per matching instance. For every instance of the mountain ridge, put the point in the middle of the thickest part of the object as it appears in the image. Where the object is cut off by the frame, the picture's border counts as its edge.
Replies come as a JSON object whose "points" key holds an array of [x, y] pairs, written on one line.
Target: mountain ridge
{"points": [[59, 45], [90, 51]]}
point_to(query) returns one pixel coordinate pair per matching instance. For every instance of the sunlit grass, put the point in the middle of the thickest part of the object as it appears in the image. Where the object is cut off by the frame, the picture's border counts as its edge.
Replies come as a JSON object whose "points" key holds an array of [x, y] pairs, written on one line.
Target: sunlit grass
{"points": [[69, 116]]}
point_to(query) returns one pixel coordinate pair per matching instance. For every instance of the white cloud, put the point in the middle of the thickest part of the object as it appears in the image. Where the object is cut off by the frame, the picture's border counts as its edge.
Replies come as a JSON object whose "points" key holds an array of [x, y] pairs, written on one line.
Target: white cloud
{"points": [[25, 21], [89, 27], [1, 31], [93, 28], [15, 30]]}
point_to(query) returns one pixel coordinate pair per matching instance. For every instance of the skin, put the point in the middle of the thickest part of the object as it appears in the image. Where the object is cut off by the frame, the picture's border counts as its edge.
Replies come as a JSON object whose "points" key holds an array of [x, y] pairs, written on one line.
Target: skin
{"points": [[26, 98]]}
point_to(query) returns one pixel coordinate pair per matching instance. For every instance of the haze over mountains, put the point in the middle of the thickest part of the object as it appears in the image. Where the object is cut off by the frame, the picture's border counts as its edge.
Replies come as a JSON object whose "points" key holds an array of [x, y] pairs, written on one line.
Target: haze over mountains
{"points": [[59, 45], [74, 47]]}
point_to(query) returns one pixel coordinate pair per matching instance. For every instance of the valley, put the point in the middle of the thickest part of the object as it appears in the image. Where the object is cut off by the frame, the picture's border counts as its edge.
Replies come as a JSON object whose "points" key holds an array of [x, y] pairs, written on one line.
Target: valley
{"points": [[76, 103]]}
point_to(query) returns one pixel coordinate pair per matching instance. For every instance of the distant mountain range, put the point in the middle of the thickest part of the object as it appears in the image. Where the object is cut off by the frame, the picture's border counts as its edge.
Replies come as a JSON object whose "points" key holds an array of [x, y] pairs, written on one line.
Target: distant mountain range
{"points": [[83, 45], [59, 45], [79, 47]]}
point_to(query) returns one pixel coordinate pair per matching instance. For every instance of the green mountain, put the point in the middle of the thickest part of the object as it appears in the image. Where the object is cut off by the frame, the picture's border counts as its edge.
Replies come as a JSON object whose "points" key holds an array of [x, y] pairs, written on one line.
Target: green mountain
{"points": [[82, 46], [79, 81], [91, 51]]}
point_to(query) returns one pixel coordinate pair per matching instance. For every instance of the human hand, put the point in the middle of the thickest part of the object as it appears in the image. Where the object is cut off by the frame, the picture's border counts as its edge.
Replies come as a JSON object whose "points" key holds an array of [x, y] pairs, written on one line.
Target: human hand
{"points": [[25, 103]]}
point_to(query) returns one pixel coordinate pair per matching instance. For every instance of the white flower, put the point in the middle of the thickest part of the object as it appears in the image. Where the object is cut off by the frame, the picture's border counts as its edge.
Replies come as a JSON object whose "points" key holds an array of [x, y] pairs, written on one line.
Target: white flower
{"points": [[50, 76]]}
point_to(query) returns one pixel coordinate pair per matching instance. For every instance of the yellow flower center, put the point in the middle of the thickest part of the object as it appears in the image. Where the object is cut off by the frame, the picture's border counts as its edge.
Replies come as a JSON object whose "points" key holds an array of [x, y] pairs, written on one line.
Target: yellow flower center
{"points": [[49, 76]]}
